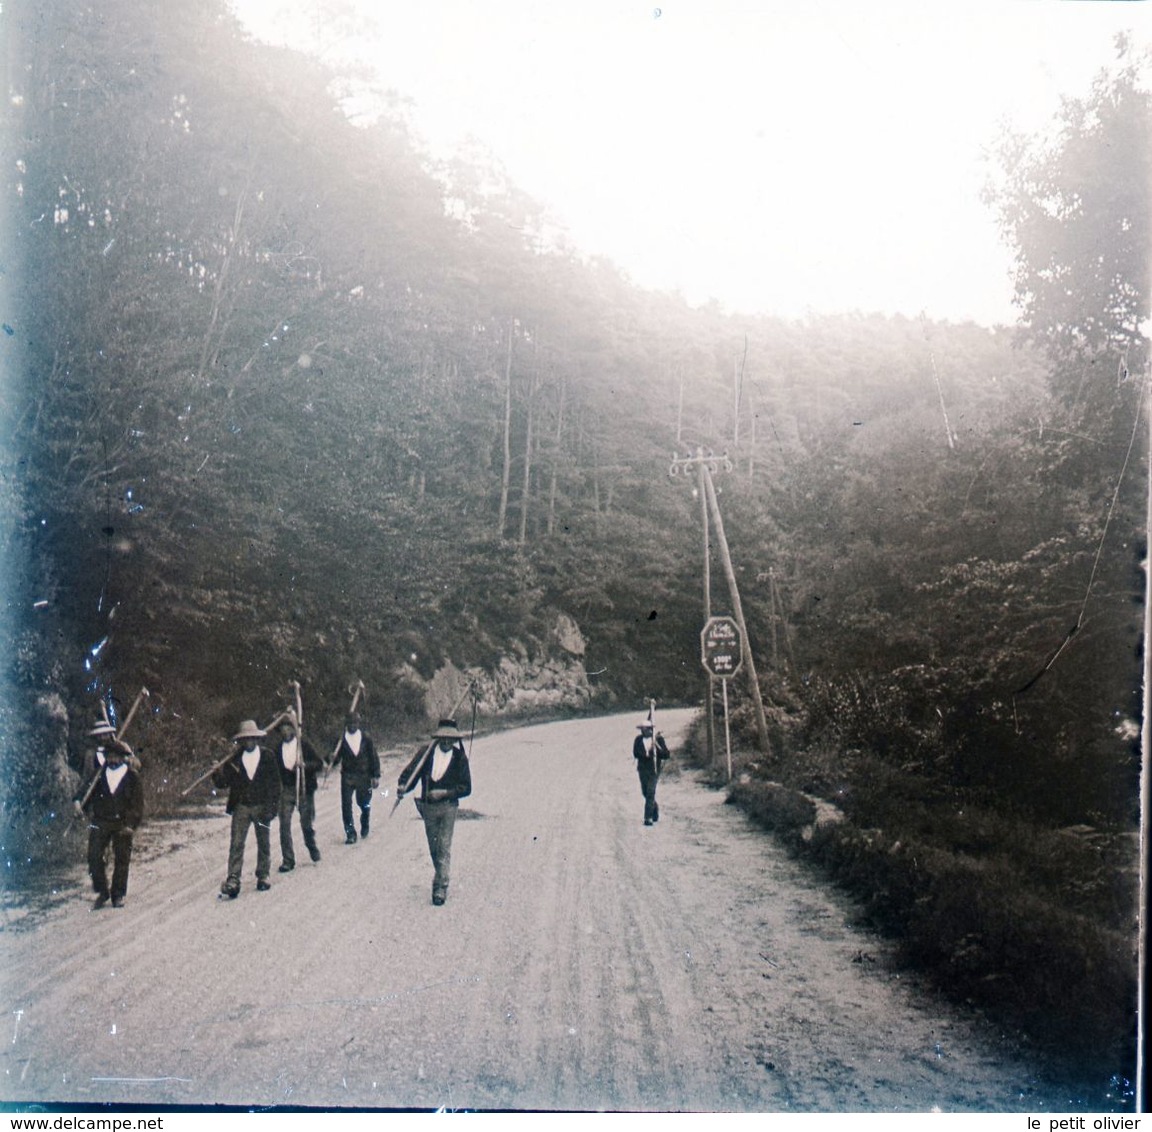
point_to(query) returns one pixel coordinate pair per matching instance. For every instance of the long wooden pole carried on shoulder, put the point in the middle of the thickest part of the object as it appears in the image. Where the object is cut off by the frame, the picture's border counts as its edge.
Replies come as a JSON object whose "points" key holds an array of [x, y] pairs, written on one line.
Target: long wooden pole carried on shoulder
{"points": [[230, 756], [355, 689], [655, 745], [118, 736], [141, 695], [299, 727], [428, 751]]}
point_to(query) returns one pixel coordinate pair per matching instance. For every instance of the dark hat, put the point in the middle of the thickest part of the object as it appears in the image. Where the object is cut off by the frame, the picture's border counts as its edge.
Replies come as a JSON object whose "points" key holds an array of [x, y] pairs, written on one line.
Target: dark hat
{"points": [[249, 730], [352, 719], [118, 747], [447, 729]]}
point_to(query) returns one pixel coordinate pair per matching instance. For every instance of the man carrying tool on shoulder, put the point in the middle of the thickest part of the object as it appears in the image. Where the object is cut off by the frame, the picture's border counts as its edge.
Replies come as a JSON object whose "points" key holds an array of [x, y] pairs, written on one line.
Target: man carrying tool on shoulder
{"points": [[115, 807], [359, 776], [442, 773], [253, 784], [651, 753], [104, 733], [290, 750]]}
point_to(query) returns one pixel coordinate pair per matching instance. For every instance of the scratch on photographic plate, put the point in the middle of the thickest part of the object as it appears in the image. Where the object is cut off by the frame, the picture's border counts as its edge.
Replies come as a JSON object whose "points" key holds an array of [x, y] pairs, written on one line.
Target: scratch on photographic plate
{"points": [[138, 1080]]}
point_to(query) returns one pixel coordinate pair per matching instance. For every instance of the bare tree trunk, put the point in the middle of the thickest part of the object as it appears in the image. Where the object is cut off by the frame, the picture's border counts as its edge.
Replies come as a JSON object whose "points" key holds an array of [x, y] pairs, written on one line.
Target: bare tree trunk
{"points": [[940, 394], [738, 393], [506, 474], [526, 490], [596, 486], [210, 347], [752, 447], [680, 409], [556, 459]]}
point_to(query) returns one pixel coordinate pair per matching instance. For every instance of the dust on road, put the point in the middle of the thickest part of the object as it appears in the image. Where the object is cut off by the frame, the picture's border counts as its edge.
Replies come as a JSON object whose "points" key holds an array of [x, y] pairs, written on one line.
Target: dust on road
{"points": [[583, 961]]}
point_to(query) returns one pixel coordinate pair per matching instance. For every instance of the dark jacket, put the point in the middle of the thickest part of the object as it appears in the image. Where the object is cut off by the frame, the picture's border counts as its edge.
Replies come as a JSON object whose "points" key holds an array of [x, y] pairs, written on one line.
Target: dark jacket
{"points": [[361, 769], [94, 764], [262, 792], [641, 754], [457, 779], [312, 763], [124, 808]]}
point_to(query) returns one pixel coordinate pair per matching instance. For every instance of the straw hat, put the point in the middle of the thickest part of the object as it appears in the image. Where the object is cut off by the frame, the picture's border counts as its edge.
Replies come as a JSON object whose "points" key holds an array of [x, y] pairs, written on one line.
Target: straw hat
{"points": [[249, 730], [447, 729]]}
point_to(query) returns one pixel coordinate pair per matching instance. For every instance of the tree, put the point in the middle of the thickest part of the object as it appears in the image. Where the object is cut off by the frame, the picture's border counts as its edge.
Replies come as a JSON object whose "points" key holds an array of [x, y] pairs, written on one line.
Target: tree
{"points": [[1077, 208]]}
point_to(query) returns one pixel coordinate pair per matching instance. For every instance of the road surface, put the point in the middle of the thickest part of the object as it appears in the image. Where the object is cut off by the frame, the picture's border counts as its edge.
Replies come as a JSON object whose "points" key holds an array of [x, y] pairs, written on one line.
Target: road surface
{"points": [[582, 962]]}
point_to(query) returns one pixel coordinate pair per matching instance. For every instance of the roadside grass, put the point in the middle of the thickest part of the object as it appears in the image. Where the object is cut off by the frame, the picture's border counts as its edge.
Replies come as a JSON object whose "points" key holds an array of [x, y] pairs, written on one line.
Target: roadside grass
{"points": [[1036, 927]]}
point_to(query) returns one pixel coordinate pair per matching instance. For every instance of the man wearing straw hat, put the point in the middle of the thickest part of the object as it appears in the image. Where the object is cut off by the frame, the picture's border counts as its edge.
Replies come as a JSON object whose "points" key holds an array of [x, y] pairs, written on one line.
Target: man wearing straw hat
{"points": [[359, 776], [442, 773], [115, 807], [252, 780], [105, 733], [651, 753]]}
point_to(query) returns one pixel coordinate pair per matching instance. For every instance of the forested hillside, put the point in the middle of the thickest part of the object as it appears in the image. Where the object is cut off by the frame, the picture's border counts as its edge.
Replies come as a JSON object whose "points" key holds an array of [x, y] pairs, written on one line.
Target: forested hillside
{"points": [[286, 399]]}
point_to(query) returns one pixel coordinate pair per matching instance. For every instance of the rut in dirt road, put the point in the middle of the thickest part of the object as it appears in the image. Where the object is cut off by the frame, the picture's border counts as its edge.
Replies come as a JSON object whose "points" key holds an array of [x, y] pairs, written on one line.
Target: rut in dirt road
{"points": [[582, 961]]}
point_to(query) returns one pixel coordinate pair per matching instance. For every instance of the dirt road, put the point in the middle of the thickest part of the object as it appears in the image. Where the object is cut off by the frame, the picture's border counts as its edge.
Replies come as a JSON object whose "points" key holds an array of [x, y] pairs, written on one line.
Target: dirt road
{"points": [[582, 961]]}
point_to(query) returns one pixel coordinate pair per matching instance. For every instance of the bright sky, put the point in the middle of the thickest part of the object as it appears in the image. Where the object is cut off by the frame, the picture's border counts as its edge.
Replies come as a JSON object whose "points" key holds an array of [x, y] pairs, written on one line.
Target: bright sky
{"points": [[779, 157]]}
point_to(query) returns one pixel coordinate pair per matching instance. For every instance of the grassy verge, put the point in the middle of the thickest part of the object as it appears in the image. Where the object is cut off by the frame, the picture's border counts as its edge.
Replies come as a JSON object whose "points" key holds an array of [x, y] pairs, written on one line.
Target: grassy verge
{"points": [[1034, 926]]}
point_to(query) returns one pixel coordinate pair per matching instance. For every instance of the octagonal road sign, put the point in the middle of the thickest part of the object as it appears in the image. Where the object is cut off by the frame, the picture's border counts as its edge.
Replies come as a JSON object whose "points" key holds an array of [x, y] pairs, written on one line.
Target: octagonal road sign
{"points": [[720, 646]]}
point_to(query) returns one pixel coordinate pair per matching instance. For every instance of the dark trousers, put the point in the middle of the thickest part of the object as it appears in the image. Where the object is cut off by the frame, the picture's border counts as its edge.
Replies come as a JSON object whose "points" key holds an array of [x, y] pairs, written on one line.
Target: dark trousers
{"points": [[307, 821], [439, 824], [99, 838], [649, 776], [244, 817], [362, 792]]}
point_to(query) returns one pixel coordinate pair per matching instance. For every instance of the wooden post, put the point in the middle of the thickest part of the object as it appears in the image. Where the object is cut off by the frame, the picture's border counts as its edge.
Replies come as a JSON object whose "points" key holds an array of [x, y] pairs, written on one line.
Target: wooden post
{"points": [[738, 611], [727, 732], [709, 685]]}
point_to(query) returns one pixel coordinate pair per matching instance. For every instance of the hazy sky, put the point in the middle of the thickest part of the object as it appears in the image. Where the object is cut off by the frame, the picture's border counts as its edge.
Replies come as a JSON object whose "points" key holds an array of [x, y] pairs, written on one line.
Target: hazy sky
{"points": [[779, 157]]}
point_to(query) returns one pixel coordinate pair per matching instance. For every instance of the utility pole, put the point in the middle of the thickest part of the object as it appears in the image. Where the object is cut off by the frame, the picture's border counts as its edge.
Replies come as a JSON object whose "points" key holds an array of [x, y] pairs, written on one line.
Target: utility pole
{"points": [[737, 609], [705, 463], [709, 679]]}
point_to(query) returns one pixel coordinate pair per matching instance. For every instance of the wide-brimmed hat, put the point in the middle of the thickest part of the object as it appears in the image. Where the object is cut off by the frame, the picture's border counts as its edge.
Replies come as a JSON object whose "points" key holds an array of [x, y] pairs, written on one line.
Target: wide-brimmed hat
{"points": [[103, 728], [249, 730], [645, 725], [118, 747], [447, 729]]}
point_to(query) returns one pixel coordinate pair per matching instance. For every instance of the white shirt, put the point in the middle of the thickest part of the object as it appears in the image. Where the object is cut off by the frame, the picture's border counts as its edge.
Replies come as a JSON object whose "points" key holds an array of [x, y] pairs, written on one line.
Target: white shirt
{"points": [[440, 761], [115, 775], [251, 760], [289, 751], [352, 738]]}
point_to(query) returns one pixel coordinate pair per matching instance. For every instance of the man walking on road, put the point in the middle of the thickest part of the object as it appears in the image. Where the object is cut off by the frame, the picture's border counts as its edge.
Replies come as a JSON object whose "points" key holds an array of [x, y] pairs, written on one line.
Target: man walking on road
{"points": [[104, 733], [253, 785], [291, 752], [651, 753], [115, 806], [444, 777], [359, 776]]}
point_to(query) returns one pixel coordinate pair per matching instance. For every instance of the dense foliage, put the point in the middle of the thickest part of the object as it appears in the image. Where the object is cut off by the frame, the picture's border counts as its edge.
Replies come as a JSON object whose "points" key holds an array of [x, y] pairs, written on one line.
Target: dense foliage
{"points": [[285, 398]]}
